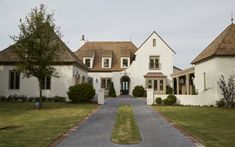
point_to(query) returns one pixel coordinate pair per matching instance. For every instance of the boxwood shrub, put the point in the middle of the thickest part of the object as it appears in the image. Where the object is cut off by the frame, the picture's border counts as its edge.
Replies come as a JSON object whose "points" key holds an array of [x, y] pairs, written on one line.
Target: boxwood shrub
{"points": [[81, 93], [170, 100], [138, 91], [158, 100]]}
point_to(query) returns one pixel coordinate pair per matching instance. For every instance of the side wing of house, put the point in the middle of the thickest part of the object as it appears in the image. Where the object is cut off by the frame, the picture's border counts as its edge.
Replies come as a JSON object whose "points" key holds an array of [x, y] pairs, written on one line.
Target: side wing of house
{"points": [[70, 69]]}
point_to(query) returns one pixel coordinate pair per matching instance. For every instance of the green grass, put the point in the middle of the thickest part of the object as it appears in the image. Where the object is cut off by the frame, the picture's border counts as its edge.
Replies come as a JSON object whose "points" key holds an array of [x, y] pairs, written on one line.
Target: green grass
{"points": [[125, 130], [38, 127], [215, 127]]}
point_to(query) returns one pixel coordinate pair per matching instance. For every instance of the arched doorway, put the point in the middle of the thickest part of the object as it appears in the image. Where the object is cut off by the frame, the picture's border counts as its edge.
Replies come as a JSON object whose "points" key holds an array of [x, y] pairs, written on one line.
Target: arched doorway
{"points": [[125, 85]]}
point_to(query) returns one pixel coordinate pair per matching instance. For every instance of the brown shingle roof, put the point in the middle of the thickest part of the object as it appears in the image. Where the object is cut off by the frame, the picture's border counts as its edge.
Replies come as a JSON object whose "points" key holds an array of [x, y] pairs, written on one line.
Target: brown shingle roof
{"points": [[65, 55], [107, 53], [89, 53], [223, 45], [125, 53], [154, 75], [101, 49]]}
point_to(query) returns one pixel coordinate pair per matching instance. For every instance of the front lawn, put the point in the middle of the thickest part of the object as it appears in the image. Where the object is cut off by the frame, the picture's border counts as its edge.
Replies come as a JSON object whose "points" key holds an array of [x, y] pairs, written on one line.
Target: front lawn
{"points": [[25, 126], [215, 127], [125, 130]]}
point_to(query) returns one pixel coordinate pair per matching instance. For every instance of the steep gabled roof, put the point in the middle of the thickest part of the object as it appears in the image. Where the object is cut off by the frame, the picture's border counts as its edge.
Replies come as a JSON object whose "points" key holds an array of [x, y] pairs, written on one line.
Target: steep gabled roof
{"points": [[114, 49], [65, 55], [223, 45], [154, 32]]}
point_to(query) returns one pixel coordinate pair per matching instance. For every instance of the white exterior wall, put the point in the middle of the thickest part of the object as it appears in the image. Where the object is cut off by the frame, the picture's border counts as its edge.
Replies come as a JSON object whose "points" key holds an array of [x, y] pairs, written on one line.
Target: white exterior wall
{"points": [[140, 66], [195, 100], [208, 67], [213, 68], [97, 78], [30, 88]]}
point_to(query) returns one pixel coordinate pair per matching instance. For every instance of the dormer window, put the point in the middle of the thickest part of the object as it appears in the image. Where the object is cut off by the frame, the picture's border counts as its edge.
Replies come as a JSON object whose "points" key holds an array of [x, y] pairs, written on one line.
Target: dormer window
{"points": [[88, 62], [106, 62], [154, 42], [125, 62]]}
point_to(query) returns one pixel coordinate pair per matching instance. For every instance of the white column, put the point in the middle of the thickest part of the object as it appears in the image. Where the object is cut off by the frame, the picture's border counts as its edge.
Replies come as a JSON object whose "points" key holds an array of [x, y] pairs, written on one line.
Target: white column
{"points": [[101, 96], [187, 84], [150, 96], [177, 85]]}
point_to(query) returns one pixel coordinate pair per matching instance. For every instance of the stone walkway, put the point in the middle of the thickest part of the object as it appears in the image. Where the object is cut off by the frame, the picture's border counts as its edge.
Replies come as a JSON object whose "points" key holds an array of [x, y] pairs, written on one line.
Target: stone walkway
{"points": [[96, 130]]}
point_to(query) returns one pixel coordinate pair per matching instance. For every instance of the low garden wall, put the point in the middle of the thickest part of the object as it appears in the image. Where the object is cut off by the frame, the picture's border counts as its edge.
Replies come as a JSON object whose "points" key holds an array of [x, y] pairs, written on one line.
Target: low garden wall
{"points": [[182, 99]]}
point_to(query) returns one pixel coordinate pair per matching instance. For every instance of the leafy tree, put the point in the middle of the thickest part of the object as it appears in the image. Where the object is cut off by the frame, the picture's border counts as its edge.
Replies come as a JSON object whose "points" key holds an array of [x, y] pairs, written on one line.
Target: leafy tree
{"points": [[227, 90], [36, 46], [112, 92]]}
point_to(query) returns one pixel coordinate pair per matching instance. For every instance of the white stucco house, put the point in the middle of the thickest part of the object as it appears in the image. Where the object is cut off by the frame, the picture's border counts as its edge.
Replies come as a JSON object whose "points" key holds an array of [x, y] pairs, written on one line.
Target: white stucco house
{"points": [[127, 66], [215, 60], [121, 62], [69, 67], [99, 63]]}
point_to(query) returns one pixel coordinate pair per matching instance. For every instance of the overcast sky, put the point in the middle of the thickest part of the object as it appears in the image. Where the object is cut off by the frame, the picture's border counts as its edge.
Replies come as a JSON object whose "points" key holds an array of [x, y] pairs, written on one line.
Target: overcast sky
{"points": [[188, 26]]}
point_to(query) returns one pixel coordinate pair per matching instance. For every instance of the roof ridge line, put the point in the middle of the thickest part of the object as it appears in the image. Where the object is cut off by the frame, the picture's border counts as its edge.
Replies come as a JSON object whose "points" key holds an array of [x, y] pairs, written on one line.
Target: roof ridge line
{"points": [[229, 27], [193, 62]]}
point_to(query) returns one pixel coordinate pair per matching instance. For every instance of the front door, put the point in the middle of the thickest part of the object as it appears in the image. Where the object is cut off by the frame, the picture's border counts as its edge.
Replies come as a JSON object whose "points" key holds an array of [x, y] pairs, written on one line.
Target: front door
{"points": [[125, 84]]}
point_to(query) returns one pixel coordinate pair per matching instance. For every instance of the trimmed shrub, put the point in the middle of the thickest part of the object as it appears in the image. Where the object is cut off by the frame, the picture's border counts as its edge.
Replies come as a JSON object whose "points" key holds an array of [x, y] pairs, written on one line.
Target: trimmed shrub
{"points": [[138, 91], [10, 98], [112, 92], [59, 99], [51, 99], [166, 101], [43, 99], [220, 103], [81, 93], [169, 89], [172, 99], [23, 98], [31, 99], [194, 90], [3, 98], [16, 98], [158, 100]]}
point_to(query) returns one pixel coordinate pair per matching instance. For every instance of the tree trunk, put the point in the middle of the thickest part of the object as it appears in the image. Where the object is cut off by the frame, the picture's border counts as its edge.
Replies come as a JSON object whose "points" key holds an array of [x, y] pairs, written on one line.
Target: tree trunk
{"points": [[38, 103]]}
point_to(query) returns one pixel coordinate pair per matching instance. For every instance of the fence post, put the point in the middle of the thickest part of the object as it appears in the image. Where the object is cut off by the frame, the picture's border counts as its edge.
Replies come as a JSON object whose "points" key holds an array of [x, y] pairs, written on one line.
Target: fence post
{"points": [[150, 97], [101, 96]]}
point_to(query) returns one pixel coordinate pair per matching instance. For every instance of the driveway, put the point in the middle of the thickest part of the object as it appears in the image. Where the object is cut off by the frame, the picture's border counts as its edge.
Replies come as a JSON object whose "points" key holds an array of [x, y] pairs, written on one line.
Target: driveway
{"points": [[97, 129]]}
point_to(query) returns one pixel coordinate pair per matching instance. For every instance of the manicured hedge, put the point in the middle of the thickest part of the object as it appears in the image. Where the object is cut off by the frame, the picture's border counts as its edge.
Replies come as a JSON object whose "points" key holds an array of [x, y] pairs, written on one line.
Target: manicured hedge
{"points": [[81, 93], [138, 91]]}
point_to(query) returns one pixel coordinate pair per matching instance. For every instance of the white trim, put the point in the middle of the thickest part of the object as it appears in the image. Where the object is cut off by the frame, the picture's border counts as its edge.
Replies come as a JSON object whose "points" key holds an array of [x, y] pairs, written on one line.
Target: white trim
{"points": [[110, 62], [91, 61], [128, 59]]}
